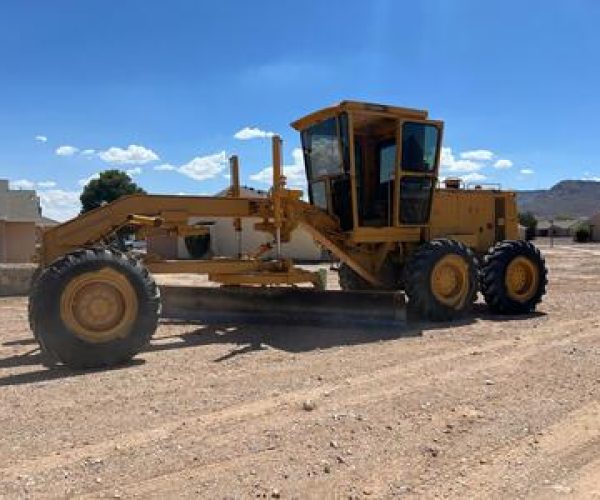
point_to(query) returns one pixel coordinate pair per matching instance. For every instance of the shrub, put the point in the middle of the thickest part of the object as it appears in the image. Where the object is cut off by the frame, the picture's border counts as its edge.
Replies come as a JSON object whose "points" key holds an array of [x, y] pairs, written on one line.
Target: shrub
{"points": [[582, 235]]}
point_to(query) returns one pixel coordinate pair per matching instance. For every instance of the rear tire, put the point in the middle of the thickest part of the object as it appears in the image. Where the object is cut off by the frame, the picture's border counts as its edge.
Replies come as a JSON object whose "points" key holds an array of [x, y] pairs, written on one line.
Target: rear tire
{"points": [[351, 280], [513, 277], [441, 280], [94, 308]]}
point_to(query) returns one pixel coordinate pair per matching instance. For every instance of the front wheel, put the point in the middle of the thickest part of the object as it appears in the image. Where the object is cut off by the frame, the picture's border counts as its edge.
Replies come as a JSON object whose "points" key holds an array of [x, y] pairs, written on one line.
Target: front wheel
{"points": [[94, 308], [513, 277], [441, 279]]}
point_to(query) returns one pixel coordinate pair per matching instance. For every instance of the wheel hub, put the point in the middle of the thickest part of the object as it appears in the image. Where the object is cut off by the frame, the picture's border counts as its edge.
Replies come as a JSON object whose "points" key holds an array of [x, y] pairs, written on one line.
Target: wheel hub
{"points": [[449, 280], [521, 279], [99, 306]]}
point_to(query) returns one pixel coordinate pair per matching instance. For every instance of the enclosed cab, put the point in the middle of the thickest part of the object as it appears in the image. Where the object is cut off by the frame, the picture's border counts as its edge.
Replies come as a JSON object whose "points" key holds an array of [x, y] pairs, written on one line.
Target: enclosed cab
{"points": [[376, 169], [372, 166]]}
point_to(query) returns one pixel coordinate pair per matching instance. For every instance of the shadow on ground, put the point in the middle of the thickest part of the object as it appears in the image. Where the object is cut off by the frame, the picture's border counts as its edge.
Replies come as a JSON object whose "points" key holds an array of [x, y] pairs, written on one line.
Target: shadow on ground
{"points": [[55, 372], [249, 337]]}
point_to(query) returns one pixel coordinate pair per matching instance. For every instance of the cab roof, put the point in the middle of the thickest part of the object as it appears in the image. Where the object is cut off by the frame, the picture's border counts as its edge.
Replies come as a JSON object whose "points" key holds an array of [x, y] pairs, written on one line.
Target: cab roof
{"points": [[358, 106]]}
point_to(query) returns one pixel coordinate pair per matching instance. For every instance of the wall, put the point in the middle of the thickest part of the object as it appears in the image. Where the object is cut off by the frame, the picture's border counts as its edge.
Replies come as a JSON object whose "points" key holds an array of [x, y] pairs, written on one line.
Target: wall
{"points": [[15, 279], [2, 241], [17, 242], [224, 243], [163, 246]]}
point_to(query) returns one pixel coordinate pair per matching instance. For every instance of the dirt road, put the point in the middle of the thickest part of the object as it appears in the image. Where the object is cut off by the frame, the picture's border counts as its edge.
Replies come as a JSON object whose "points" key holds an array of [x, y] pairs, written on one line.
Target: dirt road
{"points": [[492, 407]]}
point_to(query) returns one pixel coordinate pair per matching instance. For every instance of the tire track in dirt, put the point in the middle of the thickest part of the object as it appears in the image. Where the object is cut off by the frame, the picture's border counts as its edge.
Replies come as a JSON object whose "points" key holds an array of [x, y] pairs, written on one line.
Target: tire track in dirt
{"points": [[136, 390], [587, 481], [374, 378], [574, 440], [153, 485]]}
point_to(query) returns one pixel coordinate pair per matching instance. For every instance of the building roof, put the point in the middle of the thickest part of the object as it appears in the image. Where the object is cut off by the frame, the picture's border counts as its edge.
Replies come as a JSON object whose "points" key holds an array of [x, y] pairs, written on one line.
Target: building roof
{"points": [[558, 223], [245, 192], [358, 106], [594, 219], [566, 223], [20, 205], [47, 222]]}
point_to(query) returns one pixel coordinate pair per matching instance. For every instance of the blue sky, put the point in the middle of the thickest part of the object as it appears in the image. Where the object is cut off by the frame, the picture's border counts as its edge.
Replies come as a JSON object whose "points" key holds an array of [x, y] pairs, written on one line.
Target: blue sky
{"points": [[141, 85]]}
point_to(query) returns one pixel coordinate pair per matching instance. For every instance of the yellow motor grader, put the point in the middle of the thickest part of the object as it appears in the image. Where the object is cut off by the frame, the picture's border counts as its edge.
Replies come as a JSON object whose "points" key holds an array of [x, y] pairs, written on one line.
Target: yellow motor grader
{"points": [[374, 202]]}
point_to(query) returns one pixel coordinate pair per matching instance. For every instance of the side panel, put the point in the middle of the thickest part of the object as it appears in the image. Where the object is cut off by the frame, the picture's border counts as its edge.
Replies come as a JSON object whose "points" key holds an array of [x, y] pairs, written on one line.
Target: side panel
{"points": [[479, 218]]}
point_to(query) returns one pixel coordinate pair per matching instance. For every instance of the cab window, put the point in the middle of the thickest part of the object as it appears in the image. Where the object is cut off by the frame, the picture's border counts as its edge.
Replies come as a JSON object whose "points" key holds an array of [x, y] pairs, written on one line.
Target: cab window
{"points": [[387, 160], [322, 150], [419, 147]]}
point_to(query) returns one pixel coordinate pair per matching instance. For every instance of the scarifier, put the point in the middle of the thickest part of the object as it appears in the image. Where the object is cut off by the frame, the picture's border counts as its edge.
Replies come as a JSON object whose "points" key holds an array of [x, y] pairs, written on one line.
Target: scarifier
{"points": [[374, 202]]}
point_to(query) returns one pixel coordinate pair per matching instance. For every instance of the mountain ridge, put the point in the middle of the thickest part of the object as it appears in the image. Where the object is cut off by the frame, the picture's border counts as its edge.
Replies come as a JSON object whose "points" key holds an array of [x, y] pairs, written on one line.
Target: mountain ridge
{"points": [[567, 198]]}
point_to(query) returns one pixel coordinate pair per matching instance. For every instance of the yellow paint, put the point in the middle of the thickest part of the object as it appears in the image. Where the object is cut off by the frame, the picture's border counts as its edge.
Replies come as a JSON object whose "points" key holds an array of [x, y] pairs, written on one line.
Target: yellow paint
{"points": [[521, 279], [469, 215], [99, 306], [476, 217], [450, 281]]}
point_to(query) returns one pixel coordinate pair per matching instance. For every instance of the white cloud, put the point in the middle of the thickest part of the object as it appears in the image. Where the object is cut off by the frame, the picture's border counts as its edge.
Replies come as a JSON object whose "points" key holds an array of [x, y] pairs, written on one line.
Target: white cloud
{"points": [[477, 155], [85, 182], [66, 150], [133, 171], [88, 152], [449, 163], [134, 155], [295, 173], [205, 167], [199, 168], [473, 177], [252, 133], [527, 171], [59, 204], [503, 163], [165, 167], [27, 184], [46, 184], [587, 176], [22, 184], [41, 138]]}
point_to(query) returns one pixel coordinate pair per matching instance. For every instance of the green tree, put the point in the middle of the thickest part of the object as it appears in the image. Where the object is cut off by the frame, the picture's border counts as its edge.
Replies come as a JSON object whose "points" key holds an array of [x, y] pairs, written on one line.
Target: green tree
{"points": [[109, 186], [528, 220]]}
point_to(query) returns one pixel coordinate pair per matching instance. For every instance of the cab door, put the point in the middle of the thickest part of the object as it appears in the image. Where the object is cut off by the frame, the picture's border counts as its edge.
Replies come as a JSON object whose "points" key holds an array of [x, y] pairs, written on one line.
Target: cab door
{"points": [[417, 170], [327, 167]]}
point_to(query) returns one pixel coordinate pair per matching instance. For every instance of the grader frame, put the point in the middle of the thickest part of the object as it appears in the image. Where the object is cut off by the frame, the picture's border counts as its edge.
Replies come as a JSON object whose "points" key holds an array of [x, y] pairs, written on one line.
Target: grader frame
{"points": [[374, 203], [363, 249]]}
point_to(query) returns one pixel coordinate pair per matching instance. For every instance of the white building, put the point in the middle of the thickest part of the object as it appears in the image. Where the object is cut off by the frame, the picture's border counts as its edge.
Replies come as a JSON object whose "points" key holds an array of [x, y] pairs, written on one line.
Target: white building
{"points": [[224, 242]]}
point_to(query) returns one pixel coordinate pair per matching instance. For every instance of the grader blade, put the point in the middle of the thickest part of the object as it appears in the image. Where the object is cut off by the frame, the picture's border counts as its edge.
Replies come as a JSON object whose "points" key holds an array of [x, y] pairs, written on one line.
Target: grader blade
{"points": [[284, 305]]}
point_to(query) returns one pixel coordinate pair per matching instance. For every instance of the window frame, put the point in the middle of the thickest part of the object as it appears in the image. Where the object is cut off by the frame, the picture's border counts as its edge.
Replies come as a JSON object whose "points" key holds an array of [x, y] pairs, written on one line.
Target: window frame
{"points": [[308, 159], [400, 172]]}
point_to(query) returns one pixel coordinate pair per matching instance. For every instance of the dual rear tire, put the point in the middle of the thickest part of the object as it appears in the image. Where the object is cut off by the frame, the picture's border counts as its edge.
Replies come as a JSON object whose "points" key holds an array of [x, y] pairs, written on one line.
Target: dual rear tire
{"points": [[513, 277], [443, 275], [442, 278]]}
